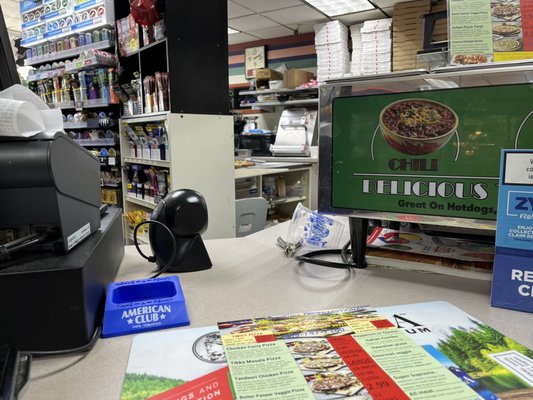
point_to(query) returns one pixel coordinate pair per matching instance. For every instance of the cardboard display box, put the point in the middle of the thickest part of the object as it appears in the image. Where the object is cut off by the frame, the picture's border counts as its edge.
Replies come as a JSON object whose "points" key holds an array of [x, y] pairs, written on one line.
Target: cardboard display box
{"points": [[295, 77], [408, 33], [267, 74]]}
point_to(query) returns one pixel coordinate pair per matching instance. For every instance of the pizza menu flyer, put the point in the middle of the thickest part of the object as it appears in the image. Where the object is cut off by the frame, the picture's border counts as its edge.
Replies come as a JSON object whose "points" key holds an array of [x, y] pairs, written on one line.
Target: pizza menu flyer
{"points": [[418, 351], [482, 31]]}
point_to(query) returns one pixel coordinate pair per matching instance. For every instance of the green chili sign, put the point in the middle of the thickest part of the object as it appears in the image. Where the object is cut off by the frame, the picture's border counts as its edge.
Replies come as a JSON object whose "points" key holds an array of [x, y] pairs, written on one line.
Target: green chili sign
{"points": [[428, 153]]}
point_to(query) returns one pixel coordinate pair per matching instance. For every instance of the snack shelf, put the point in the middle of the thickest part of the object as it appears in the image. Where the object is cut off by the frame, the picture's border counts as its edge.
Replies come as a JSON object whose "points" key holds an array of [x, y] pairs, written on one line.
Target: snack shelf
{"points": [[31, 24], [278, 91], [300, 102], [90, 62], [87, 4], [72, 68], [141, 238], [158, 116], [61, 33], [104, 44], [144, 203], [291, 199], [81, 125], [96, 103], [144, 161], [111, 185], [89, 124], [140, 50], [53, 15], [95, 142], [24, 9], [46, 74]]}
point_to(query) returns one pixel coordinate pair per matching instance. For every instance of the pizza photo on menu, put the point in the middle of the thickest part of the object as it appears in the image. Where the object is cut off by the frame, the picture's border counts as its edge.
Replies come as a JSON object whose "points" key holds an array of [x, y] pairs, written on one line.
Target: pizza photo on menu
{"points": [[321, 363], [308, 347], [469, 59], [330, 385], [507, 44], [506, 10], [506, 29]]}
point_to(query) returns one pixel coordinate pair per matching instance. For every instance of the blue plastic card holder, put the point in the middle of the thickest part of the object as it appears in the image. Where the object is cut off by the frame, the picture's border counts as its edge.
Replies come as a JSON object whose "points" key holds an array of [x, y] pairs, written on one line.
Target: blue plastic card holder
{"points": [[144, 305]]}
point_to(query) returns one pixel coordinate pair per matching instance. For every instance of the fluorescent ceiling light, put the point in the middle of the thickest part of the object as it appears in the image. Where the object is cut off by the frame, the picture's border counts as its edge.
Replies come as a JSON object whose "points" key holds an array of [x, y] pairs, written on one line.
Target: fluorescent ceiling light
{"points": [[334, 8], [231, 30]]}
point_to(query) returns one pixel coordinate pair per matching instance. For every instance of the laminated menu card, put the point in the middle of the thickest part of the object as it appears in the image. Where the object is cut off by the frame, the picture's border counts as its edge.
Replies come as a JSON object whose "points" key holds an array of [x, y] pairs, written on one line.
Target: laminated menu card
{"points": [[417, 351]]}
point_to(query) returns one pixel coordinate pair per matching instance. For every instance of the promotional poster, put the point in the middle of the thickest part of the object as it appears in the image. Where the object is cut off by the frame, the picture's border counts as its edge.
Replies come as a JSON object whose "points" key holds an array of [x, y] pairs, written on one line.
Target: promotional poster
{"points": [[427, 153], [512, 281]]}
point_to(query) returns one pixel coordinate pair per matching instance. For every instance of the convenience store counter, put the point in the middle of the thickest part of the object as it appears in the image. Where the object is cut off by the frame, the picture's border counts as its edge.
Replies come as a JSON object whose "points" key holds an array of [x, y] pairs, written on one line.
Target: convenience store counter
{"points": [[251, 276]]}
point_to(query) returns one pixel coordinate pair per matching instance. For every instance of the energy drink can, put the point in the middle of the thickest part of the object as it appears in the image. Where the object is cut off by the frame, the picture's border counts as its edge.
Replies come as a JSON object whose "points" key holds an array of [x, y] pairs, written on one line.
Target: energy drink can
{"points": [[96, 36]]}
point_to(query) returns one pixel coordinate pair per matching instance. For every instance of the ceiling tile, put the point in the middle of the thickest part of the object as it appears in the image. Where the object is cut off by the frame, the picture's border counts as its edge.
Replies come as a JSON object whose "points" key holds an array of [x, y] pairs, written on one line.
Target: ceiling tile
{"points": [[388, 3], [241, 38], [262, 5], [235, 10], [256, 21], [294, 15], [357, 18], [306, 27], [269, 33]]}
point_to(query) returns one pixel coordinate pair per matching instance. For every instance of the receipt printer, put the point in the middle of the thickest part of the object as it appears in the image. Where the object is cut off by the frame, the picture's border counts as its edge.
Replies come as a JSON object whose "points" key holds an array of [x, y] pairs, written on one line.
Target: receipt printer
{"points": [[49, 182]]}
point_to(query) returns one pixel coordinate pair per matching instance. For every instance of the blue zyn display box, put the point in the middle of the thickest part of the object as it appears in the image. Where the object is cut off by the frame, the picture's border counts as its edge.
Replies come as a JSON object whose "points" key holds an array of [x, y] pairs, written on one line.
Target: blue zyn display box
{"points": [[512, 278], [144, 305]]}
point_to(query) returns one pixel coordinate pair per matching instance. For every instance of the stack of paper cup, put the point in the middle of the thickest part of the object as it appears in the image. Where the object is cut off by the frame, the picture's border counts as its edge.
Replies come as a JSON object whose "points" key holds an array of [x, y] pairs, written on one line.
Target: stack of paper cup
{"points": [[376, 44], [357, 49], [331, 43]]}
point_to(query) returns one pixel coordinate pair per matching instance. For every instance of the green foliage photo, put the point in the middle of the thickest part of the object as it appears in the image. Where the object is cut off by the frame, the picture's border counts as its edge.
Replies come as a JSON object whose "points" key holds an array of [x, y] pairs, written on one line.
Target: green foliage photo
{"points": [[470, 349], [142, 386]]}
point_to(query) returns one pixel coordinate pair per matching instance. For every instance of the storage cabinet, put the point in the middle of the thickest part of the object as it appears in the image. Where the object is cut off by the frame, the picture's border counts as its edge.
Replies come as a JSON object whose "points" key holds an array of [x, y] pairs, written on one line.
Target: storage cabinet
{"points": [[283, 188], [198, 152], [280, 97], [198, 155]]}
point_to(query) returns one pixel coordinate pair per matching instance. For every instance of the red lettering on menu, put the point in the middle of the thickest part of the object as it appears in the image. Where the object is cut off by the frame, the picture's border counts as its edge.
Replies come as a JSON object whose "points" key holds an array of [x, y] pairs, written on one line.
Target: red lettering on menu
{"points": [[382, 323], [265, 338], [213, 385], [379, 385], [526, 11]]}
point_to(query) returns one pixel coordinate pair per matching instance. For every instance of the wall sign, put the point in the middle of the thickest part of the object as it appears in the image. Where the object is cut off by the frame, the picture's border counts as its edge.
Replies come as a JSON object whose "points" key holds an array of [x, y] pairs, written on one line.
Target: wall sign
{"points": [[482, 31], [429, 153]]}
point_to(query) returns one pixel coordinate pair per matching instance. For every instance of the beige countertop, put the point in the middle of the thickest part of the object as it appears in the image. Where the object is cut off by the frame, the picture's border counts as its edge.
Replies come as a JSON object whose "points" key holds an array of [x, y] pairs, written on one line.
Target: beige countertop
{"points": [[252, 277]]}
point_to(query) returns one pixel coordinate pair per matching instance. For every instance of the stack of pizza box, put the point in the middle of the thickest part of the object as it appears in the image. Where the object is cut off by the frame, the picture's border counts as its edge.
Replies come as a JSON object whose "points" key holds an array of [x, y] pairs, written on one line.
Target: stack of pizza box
{"points": [[408, 32], [377, 50], [357, 49], [331, 44]]}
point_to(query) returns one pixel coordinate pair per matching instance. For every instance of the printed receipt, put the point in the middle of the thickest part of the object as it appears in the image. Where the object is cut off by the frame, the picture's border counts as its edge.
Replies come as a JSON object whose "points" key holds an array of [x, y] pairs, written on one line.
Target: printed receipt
{"points": [[19, 118], [23, 113], [266, 371]]}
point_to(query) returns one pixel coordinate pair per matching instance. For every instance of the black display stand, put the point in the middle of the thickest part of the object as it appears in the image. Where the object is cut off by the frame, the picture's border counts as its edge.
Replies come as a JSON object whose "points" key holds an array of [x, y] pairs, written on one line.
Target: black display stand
{"points": [[195, 52], [358, 234]]}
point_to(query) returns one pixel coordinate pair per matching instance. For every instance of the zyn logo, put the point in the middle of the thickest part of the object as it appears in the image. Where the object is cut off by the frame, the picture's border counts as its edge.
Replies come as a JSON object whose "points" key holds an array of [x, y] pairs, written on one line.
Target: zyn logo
{"points": [[519, 203]]}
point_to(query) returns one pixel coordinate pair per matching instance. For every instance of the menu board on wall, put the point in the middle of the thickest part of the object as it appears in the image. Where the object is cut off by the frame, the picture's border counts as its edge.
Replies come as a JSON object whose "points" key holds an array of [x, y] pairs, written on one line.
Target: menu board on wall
{"points": [[482, 31], [433, 153]]}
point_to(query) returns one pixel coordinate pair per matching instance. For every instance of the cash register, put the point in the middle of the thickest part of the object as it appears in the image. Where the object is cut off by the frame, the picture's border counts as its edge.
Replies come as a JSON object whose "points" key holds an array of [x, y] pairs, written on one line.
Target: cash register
{"points": [[49, 190]]}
